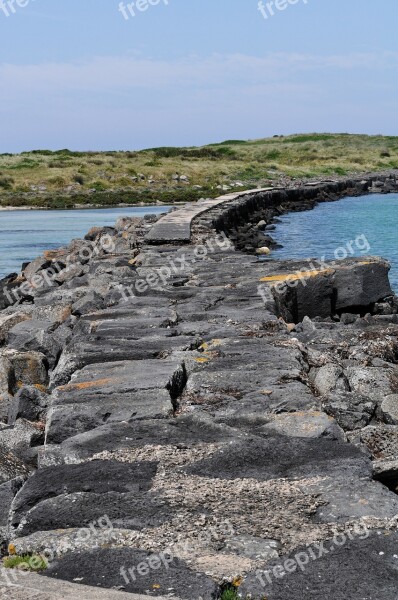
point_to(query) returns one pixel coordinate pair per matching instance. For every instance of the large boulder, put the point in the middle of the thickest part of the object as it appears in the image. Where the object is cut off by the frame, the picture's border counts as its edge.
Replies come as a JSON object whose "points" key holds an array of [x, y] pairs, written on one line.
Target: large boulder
{"points": [[361, 284], [353, 285]]}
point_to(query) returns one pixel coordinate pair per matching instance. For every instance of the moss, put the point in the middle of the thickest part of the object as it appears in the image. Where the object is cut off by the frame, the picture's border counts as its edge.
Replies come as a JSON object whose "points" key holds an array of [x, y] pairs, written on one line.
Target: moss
{"points": [[25, 562]]}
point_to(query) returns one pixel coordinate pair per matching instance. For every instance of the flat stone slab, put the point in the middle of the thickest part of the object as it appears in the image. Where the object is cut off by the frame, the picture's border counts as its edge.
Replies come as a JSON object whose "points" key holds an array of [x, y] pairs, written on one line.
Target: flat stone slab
{"points": [[176, 225], [29, 586], [135, 571]]}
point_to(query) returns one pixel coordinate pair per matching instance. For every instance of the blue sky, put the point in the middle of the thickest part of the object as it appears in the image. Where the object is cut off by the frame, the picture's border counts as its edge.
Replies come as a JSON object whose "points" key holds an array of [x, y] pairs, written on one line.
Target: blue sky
{"points": [[77, 74]]}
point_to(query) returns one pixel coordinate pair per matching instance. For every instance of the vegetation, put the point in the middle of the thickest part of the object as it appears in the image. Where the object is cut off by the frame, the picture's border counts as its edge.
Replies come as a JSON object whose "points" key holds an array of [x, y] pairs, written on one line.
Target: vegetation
{"points": [[63, 178], [26, 562]]}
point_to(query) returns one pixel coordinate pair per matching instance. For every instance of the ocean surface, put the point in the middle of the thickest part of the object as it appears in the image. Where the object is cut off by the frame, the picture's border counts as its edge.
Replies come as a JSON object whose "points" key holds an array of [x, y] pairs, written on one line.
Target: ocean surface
{"points": [[367, 225], [24, 235]]}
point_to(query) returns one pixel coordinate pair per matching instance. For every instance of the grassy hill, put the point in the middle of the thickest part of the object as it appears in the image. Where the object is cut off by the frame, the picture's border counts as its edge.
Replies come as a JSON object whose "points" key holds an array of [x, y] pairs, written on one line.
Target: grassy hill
{"points": [[64, 178]]}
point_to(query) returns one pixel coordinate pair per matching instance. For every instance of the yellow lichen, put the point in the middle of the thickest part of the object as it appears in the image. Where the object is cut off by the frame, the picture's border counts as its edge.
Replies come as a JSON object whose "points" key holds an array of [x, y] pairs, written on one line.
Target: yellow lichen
{"points": [[84, 385]]}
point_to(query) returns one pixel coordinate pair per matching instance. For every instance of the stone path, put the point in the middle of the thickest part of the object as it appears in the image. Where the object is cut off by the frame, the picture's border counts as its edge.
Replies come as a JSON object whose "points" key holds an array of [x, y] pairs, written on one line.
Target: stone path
{"points": [[176, 226]]}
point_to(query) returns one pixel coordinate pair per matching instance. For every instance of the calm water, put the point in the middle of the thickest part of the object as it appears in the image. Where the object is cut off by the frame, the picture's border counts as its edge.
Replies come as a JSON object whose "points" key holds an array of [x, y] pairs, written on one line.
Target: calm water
{"points": [[24, 235], [328, 229]]}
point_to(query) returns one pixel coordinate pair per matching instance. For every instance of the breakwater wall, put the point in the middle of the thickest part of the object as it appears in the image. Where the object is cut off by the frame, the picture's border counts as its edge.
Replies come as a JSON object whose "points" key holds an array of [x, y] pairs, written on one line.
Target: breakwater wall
{"points": [[168, 428]]}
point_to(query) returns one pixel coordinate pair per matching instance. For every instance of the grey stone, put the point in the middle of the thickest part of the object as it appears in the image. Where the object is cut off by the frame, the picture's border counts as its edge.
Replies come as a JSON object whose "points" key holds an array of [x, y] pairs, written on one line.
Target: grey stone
{"points": [[91, 302], [389, 409], [29, 403], [350, 409], [330, 377]]}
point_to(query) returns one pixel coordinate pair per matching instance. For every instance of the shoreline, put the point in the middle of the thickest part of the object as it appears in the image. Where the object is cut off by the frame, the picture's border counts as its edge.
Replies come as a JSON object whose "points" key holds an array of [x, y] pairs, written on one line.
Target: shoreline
{"points": [[88, 207]]}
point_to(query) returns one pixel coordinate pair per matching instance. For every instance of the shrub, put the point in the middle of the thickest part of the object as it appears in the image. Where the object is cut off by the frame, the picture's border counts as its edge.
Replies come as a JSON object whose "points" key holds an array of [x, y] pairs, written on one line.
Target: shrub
{"points": [[6, 183], [78, 179]]}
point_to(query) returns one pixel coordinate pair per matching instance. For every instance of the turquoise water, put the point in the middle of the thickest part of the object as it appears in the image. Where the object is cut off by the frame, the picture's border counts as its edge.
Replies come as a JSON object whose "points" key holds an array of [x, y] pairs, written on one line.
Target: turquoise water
{"points": [[368, 222], [24, 235]]}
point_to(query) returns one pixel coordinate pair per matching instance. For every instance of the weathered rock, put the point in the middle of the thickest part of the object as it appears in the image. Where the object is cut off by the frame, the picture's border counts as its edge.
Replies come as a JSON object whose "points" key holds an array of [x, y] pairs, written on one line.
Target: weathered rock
{"points": [[389, 409], [350, 409], [35, 266], [302, 424], [106, 393], [8, 322], [95, 477], [23, 439], [330, 377], [30, 403], [363, 567], [279, 456], [37, 336], [361, 284], [28, 368], [169, 575], [373, 382], [307, 295], [91, 302]]}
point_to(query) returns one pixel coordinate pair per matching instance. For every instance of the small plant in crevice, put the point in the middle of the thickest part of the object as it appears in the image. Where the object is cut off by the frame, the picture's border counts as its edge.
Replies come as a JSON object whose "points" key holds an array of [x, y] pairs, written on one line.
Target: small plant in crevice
{"points": [[25, 562]]}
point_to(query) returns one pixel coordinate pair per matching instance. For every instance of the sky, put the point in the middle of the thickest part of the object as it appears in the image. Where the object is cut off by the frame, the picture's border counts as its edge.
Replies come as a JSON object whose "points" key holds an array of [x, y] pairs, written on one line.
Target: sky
{"points": [[78, 74]]}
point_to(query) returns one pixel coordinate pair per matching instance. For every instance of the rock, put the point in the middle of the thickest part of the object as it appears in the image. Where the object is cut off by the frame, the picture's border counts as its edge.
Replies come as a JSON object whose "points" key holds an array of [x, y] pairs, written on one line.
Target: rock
{"points": [[389, 409], [101, 393], [254, 547], [91, 302], [263, 251], [39, 264], [99, 477], [373, 382], [361, 284], [350, 409], [279, 457], [303, 295], [11, 467], [9, 290], [22, 335], [7, 494], [303, 424], [30, 403], [348, 318], [364, 565], [102, 567], [330, 377], [70, 272], [386, 471], [28, 368], [22, 440], [380, 441], [7, 322], [96, 232]]}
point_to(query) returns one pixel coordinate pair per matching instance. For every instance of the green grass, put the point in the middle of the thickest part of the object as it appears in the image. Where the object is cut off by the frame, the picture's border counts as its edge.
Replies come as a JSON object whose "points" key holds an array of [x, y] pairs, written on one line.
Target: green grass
{"points": [[26, 562], [64, 178]]}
